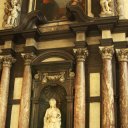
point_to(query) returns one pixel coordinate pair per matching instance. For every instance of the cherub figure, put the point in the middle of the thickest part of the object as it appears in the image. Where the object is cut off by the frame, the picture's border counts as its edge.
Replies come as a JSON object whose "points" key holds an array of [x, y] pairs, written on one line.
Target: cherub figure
{"points": [[14, 13], [106, 8]]}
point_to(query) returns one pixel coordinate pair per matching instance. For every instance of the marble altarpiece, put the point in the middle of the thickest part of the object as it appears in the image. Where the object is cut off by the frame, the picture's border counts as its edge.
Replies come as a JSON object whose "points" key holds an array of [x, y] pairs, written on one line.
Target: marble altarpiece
{"points": [[73, 52]]}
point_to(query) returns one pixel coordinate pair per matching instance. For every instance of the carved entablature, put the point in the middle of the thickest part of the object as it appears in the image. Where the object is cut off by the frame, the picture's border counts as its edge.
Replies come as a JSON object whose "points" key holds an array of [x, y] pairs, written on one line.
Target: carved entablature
{"points": [[12, 13]]}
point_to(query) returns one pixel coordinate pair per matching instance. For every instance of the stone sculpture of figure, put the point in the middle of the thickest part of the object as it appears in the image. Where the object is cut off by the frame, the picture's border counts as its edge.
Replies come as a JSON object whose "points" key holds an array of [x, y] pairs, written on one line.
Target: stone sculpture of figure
{"points": [[106, 8], [14, 13], [52, 118]]}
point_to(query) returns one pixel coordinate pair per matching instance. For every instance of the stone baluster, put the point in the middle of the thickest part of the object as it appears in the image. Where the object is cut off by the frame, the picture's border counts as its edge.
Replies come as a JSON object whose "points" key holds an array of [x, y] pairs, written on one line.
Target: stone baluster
{"points": [[80, 98], [24, 115], [4, 88], [108, 119], [122, 55]]}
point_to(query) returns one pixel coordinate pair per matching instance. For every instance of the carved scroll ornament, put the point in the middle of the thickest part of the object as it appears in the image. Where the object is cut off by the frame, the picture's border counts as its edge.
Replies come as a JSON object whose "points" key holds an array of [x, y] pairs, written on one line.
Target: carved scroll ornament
{"points": [[45, 77]]}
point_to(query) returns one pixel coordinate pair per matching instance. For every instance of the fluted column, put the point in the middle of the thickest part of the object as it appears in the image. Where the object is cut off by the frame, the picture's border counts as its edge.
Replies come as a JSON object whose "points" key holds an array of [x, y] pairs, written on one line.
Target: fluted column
{"points": [[24, 116], [108, 120], [122, 55], [80, 100], [5, 78]]}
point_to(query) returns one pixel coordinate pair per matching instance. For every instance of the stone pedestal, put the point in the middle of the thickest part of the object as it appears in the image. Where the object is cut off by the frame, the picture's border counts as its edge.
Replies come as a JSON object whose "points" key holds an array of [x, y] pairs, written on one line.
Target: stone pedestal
{"points": [[108, 120], [80, 100], [5, 78], [123, 86], [24, 116]]}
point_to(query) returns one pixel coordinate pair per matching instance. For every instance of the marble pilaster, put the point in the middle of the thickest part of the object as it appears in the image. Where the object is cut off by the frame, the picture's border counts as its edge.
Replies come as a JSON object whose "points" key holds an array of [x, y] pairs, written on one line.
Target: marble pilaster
{"points": [[80, 96], [122, 55], [4, 88], [24, 115], [108, 120]]}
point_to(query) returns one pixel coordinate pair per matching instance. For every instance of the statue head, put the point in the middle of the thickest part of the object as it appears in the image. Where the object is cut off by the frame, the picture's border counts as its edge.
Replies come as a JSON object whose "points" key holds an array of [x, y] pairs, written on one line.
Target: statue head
{"points": [[52, 102]]}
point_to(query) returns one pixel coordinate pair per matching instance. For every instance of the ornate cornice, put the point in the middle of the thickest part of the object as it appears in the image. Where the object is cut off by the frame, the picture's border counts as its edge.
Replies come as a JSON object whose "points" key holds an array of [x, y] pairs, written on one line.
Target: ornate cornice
{"points": [[28, 57], [122, 54], [8, 60], [106, 51], [81, 54]]}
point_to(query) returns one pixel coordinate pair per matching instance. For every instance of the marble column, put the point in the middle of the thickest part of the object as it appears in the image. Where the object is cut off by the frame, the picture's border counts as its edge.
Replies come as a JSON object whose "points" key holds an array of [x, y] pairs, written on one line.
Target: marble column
{"points": [[5, 78], [108, 119], [80, 100], [122, 55], [24, 115]]}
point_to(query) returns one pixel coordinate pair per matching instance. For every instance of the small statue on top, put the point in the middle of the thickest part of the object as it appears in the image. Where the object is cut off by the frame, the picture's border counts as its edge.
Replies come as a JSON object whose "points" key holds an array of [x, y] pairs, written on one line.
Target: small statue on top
{"points": [[106, 7], [14, 11]]}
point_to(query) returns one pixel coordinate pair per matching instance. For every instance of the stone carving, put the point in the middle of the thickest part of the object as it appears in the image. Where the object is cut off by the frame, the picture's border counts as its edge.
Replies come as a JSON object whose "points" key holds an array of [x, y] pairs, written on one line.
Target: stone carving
{"points": [[81, 54], [59, 77], [12, 12], [107, 52], [106, 7], [28, 57], [122, 54], [45, 77], [52, 118]]}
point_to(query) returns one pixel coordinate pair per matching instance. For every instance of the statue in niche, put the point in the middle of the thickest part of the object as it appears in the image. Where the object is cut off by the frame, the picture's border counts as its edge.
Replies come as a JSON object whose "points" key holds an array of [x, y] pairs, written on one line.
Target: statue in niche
{"points": [[52, 118], [106, 7], [13, 13]]}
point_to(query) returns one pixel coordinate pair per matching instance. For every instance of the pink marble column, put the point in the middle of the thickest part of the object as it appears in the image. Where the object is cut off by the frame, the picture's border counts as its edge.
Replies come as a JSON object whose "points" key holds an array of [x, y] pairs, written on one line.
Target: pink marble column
{"points": [[24, 115], [5, 78], [122, 55], [108, 119], [80, 99]]}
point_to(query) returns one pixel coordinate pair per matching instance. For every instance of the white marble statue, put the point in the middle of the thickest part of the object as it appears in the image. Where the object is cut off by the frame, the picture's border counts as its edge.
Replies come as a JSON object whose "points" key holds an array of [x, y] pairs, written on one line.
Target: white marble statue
{"points": [[52, 118], [106, 7], [14, 13]]}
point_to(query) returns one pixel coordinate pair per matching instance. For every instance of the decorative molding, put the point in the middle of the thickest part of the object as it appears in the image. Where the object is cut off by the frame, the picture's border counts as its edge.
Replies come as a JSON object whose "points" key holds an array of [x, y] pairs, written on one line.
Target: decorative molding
{"points": [[28, 57], [81, 54], [107, 51], [8, 60], [52, 77], [122, 54]]}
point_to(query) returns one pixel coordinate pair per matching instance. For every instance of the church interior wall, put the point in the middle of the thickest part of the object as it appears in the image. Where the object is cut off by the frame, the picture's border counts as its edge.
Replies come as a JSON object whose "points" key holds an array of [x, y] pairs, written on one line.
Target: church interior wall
{"points": [[67, 44]]}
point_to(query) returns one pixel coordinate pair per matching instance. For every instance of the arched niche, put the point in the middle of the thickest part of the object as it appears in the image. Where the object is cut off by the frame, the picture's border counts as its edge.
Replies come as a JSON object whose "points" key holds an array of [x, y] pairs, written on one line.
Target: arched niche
{"points": [[53, 77], [52, 91]]}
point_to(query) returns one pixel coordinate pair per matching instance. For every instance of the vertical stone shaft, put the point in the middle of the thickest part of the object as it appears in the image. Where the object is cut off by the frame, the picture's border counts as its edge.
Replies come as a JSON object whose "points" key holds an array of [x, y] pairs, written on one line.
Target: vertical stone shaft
{"points": [[123, 86], [24, 115], [5, 78], [108, 119], [80, 100]]}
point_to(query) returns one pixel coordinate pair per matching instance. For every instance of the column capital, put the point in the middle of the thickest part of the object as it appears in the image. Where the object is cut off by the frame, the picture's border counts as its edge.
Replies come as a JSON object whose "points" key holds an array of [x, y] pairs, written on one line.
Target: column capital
{"points": [[122, 54], [81, 54], [7, 60], [28, 57], [107, 51]]}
